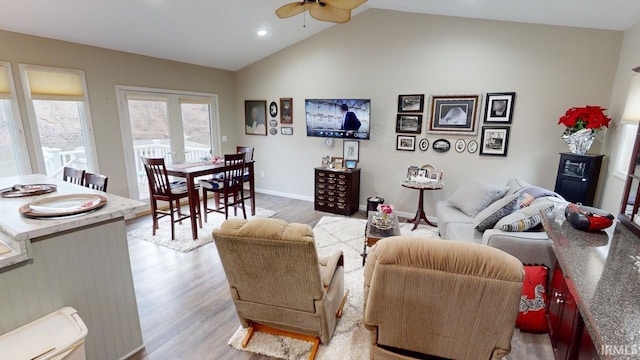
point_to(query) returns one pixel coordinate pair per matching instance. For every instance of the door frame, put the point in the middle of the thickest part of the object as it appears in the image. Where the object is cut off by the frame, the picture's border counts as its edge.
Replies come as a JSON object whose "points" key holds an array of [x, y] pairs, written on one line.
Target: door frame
{"points": [[125, 126]]}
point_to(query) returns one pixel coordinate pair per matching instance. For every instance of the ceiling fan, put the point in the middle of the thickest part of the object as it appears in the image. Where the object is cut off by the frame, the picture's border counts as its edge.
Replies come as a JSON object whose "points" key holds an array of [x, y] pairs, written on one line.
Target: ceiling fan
{"points": [[337, 11]]}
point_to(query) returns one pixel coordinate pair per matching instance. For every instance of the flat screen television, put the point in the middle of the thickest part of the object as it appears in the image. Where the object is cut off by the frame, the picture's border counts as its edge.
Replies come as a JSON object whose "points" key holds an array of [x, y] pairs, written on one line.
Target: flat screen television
{"points": [[338, 118]]}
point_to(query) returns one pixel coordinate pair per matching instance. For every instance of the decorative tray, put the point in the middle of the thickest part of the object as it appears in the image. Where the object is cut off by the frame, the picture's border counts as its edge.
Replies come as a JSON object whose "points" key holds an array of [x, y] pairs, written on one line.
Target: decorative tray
{"points": [[19, 190], [63, 205]]}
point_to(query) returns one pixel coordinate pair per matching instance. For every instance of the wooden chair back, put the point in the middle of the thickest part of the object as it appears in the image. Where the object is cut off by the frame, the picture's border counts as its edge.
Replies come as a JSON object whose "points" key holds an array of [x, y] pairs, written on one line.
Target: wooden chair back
{"points": [[96, 181], [234, 173], [157, 176], [247, 151], [74, 176]]}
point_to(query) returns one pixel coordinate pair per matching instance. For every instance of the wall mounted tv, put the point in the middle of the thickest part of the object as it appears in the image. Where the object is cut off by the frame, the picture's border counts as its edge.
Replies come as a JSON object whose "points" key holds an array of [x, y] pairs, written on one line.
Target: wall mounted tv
{"points": [[338, 118]]}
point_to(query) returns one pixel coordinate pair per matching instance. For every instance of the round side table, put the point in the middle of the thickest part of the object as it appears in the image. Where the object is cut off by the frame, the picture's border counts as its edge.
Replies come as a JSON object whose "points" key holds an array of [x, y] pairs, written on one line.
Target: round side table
{"points": [[420, 214]]}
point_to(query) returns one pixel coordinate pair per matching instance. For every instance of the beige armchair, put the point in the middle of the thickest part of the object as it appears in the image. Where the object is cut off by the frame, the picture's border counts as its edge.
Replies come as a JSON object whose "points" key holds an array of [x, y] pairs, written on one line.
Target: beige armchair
{"points": [[440, 298], [277, 282]]}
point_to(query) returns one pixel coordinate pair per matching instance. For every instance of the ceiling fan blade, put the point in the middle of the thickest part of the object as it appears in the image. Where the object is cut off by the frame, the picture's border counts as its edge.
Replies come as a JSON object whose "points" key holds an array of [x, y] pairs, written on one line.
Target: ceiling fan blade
{"points": [[329, 13], [293, 9], [345, 4]]}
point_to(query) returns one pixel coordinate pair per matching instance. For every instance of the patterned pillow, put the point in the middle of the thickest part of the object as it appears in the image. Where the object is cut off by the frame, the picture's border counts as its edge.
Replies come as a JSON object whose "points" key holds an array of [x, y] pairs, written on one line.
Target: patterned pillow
{"points": [[526, 218], [490, 216], [525, 200], [533, 302]]}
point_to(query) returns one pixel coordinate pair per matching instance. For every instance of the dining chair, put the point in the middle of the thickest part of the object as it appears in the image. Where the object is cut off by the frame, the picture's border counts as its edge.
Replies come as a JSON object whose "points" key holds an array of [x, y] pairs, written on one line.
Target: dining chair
{"points": [[231, 185], [248, 156], [161, 189], [96, 181], [73, 175]]}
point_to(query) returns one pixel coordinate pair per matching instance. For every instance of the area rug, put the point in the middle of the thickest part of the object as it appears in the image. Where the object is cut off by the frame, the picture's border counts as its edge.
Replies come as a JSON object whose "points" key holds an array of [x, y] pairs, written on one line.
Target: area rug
{"points": [[184, 239], [350, 339]]}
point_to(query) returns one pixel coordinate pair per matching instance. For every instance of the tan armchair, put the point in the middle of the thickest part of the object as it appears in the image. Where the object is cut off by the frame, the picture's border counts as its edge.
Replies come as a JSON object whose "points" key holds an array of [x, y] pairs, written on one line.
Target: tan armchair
{"points": [[440, 298], [277, 282]]}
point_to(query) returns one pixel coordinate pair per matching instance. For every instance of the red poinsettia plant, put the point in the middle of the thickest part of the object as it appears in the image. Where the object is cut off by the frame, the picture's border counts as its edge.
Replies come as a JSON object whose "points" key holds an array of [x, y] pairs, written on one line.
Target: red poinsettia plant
{"points": [[588, 117]]}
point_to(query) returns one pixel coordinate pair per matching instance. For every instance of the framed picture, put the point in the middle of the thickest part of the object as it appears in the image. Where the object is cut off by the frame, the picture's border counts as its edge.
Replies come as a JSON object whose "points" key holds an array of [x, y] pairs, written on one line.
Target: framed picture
{"points": [[273, 109], [286, 111], [286, 130], [422, 173], [409, 124], [406, 143], [499, 108], [460, 146], [454, 114], [495, 141], [255, 117], [441, 145], [337, 162], [351, 150], [326, 160], [423, 144], [411, 103], [350, 164], [435, 175], [412, 171], [472, 146]]}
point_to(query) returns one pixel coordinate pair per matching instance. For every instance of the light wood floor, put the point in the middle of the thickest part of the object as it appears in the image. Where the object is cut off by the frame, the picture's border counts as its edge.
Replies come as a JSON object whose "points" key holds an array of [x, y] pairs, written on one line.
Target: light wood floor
{"points": [[185, 308]]}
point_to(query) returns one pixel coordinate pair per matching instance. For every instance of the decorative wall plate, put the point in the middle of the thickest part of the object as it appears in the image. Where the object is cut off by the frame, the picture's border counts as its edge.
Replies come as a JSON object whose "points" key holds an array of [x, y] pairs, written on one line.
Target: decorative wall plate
{"points": [[273, 122], [423, 144], [461, 145], [472, 146], [273, 109], [273, 131], [63, 205], [441, 145], [19, 190]]}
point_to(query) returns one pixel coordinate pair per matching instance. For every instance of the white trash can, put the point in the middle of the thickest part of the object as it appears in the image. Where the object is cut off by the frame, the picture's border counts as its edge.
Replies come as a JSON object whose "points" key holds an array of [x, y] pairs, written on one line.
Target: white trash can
{"points": [[57, 336]]}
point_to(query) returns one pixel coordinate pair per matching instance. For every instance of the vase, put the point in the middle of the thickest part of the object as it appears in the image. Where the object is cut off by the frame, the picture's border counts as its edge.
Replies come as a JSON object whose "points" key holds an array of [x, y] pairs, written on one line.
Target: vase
{"points": [[580, 141]]}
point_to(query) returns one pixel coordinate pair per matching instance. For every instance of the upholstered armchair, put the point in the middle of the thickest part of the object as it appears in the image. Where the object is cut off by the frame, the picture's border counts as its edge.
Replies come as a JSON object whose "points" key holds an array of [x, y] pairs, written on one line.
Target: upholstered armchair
{"points": [[440, 298], [277, 282]]}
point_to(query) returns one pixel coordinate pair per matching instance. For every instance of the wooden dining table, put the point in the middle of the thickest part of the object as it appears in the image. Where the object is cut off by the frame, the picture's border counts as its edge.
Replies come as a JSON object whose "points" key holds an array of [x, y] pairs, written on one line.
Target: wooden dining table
{"points": [[191, 171]]}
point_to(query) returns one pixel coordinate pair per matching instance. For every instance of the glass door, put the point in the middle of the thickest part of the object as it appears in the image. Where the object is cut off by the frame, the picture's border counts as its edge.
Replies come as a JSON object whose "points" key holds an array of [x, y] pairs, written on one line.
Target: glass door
{"points": [[175, 126]]}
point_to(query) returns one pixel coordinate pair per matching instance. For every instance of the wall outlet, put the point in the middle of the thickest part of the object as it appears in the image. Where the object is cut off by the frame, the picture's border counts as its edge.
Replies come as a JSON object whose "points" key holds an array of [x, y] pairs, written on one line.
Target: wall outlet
{"points": [[224, 138], [261, 173]]}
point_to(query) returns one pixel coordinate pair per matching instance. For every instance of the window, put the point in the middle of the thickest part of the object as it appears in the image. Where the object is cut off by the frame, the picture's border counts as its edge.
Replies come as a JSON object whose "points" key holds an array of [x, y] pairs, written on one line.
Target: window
{"points": [[58, 109], [15, 160], [178, 126], [630, 119]]}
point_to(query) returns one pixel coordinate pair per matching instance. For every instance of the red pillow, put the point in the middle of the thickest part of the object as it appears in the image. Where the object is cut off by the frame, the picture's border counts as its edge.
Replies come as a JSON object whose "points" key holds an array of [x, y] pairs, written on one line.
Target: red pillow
{"points": [[533, 302]]}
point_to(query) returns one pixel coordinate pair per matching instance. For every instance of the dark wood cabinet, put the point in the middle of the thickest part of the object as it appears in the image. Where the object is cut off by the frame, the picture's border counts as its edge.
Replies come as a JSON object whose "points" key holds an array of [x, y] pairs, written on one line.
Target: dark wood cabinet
{"points": [[336, 191], [569, 338], [577, 179]]}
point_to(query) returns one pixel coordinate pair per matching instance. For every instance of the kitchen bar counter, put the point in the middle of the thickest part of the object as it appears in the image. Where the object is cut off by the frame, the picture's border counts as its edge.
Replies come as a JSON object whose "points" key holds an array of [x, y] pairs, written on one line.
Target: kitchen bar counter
{"points": [[80, 261], [602, 271]]}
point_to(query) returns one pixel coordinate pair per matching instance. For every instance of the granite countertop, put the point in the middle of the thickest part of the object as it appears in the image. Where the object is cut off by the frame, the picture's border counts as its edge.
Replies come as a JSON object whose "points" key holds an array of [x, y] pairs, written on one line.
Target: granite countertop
{"points": [[16, 230], [603, 275]]}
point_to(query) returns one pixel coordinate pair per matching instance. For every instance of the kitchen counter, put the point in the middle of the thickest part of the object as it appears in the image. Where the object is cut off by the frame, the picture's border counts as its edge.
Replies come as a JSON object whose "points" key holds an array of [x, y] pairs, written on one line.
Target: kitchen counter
{"points": [[80, 261], [16, 230], [602, 271]]}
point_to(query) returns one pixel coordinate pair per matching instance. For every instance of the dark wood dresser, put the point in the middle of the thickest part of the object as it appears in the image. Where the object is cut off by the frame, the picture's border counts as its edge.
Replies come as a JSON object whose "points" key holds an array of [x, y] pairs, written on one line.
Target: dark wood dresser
{"points": [[336, 191]]}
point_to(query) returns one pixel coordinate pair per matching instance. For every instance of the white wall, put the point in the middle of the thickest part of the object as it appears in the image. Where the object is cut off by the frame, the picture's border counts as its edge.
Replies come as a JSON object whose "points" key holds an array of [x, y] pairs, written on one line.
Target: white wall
{"points": [[381, 54], [612, 187]]}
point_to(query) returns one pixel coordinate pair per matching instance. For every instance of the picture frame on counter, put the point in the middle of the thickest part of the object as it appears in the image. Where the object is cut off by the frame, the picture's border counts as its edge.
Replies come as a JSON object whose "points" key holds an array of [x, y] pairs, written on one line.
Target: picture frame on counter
{"points": [[454, 114], [413, 103], [351, 150], [286, 111], [412, 171], [406, 143], [326, 160], [494, 141], [286, 130], [350, 164], [499, 108], [409, 124], [337, 162]]}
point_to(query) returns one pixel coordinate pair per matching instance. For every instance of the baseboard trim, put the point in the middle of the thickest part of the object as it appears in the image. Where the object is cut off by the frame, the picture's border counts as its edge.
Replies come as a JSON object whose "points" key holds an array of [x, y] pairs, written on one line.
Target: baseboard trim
{"points": [[285, 195]]}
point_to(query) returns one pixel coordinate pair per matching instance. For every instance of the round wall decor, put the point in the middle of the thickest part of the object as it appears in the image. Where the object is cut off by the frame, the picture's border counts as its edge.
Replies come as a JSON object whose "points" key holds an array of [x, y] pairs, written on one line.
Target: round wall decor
{"points": [[441, 145], [273, 109], [423, 144], [472, 146], [460, 145], [273, 122], [273, 131]]}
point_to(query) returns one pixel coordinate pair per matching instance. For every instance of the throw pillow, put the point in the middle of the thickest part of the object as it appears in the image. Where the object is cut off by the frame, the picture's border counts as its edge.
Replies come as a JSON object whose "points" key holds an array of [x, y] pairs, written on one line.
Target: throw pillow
{"points": [[525, 200], [490, 216], [533, 302], [526, 218], [514, 185], [476, 195], [538, 192]]}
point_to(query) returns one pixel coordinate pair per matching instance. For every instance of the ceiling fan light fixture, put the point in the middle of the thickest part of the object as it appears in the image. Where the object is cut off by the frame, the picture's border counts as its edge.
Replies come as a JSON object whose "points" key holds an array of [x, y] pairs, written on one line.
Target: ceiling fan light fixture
{"points": [[336, 11]]}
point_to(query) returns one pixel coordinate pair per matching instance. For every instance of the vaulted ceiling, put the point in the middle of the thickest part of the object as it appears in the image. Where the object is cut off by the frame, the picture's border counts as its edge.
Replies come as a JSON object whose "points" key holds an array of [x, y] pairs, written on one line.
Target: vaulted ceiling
{"points": [[223, 33]]}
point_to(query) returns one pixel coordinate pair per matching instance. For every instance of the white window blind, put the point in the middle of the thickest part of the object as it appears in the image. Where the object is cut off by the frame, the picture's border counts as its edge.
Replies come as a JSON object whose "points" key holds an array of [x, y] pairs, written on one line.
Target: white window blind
{"points": [[55, 84], [631, 114], [5, 86]]}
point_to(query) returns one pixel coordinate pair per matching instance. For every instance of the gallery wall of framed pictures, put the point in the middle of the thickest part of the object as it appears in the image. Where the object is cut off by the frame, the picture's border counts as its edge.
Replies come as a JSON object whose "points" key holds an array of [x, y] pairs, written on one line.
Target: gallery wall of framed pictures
{"points": [[456, 115], [258, 123]]}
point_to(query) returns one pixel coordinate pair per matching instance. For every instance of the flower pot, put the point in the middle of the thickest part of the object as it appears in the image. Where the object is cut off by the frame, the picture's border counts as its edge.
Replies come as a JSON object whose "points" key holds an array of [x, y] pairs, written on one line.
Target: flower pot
{"points": [[580, 142]]}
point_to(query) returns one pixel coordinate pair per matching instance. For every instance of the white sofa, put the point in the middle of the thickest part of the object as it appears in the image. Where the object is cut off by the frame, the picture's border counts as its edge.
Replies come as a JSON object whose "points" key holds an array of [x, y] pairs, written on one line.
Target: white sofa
{"points": [[529, 247]]}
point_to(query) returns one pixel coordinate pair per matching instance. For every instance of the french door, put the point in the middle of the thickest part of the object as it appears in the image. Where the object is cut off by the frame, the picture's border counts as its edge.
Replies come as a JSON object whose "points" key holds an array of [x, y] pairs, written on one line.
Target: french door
{"points": [[177, 126]]}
